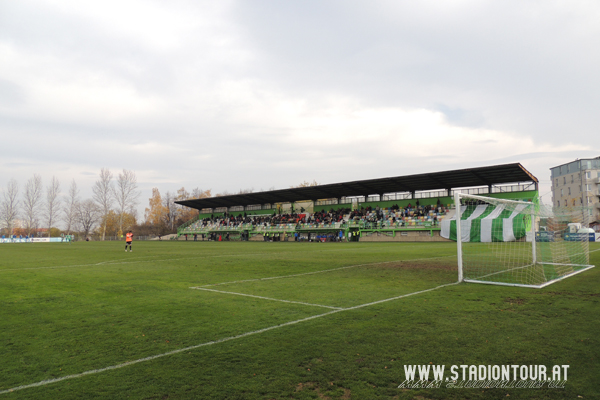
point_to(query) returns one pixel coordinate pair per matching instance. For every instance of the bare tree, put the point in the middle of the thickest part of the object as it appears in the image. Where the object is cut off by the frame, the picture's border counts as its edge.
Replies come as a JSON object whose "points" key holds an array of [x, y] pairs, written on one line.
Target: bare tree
{"points": [[32, 202], [103, 195], [198, 193], [171, 214], [70, 209], [180, 210], [53, 205], [9, 207], [307, 184], [87, 215], [126, 194]]}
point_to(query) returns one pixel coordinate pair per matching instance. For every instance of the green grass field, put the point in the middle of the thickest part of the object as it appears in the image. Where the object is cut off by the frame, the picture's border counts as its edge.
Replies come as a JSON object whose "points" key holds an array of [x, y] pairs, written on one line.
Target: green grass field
{"points": [[173, 320]]}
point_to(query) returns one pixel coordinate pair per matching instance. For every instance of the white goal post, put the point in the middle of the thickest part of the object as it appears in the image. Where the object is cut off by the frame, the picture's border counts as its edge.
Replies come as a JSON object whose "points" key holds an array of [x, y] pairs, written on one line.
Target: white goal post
{"points": [[517, 243]]}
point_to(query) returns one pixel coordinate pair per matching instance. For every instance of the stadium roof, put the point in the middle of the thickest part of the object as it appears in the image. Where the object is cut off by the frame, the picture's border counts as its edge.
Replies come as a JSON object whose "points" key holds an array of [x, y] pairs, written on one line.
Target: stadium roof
{"points": [[462, 178]]}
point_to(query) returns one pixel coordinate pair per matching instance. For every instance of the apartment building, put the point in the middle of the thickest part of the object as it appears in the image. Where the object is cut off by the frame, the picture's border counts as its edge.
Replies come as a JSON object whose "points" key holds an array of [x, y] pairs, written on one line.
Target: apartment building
{"points": [[577, 184]]}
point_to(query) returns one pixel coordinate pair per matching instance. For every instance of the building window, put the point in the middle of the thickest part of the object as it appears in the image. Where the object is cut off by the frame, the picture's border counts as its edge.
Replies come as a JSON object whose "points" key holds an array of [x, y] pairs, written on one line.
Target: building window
{"points": [[588, 174], [561, 193], [588, 188], [558, 203], [565, 203], [569, 191], [572, 179], [564, 180]]}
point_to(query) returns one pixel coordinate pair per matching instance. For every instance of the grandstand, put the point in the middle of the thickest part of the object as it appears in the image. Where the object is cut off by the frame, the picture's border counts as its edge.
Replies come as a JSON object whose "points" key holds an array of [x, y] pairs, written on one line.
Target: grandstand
{"points": [[404, 208]]}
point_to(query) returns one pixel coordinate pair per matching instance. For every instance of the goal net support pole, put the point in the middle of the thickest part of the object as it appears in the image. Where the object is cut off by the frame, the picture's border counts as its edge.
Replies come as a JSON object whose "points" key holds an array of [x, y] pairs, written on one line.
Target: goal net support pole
{"points": [[533, 239], [458, 236]]}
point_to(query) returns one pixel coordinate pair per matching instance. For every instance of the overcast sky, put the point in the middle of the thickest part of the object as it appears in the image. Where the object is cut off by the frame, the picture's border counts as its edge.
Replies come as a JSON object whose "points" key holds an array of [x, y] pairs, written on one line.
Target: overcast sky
{"points": [[229, 95]]}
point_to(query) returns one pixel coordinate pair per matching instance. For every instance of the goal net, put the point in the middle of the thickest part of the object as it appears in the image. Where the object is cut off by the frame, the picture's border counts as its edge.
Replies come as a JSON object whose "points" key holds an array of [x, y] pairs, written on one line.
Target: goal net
{"points": [[518, 243]]}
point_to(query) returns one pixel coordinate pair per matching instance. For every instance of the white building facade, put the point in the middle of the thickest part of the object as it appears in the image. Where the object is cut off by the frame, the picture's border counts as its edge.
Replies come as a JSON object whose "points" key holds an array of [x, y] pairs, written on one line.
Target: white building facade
{"points": [[577, 183]]}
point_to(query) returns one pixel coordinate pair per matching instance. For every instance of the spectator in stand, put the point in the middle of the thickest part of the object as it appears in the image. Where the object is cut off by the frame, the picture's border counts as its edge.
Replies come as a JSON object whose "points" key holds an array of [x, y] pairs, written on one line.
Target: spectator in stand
{"points": [[368, 217]]}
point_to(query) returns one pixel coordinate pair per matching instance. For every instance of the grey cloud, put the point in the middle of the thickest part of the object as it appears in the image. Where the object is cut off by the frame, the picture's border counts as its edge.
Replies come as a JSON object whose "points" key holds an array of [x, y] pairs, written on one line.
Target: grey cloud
{"points": [[517, 65], [523, 67], [11, 94]]}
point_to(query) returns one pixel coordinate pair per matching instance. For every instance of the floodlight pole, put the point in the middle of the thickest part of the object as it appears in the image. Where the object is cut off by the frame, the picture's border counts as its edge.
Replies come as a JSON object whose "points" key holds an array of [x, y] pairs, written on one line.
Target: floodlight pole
{"points": [[458, 235]]}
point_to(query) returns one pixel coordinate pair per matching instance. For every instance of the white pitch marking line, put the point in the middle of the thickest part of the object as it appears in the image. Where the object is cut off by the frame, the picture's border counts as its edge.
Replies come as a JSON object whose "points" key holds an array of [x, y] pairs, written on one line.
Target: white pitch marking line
{"points": [[111, 262], [127, 261], [319, 272], [128, 363], [122, 261], [267, 298], [399, 297]]}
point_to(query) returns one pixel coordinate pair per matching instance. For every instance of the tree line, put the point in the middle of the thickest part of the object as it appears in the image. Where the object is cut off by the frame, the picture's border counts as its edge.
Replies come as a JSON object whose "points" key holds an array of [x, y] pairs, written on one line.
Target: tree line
{"points": [[163, 215], [36, 210], [111, 211]]}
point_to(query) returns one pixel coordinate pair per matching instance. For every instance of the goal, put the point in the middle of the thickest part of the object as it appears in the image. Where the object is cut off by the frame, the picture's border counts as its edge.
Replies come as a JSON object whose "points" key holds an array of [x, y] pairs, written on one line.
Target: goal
{"points": [[518, 243]]}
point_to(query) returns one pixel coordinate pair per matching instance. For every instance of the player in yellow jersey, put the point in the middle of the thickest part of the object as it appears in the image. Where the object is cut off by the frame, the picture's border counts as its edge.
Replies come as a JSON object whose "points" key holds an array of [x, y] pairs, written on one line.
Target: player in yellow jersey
{"points": [[128, 240]]}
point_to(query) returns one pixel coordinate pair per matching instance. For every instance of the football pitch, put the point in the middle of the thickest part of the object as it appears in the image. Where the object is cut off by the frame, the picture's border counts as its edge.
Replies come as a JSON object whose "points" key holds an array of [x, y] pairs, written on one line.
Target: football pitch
{"points": [[255, 320]]}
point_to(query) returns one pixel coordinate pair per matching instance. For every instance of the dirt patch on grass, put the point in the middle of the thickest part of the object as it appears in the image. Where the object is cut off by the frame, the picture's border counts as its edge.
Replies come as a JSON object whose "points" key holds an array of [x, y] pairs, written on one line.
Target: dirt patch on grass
{"points": [[446, 264], [302, 385], [562, 294], [512, 301], [314, 387]]}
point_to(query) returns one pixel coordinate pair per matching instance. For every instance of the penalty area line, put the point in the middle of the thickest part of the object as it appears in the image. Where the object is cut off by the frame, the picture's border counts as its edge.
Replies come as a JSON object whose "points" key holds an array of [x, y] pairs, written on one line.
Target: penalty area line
{"points": [[135, 260], [227, 339], [319, 272], [150, 358], [267, 298], [140, 259]]}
